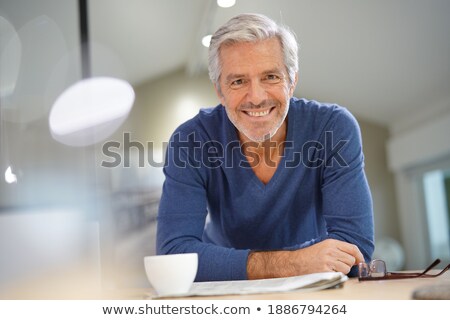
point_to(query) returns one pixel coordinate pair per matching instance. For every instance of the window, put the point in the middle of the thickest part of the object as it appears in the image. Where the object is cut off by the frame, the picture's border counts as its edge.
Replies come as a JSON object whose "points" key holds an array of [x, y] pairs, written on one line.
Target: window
{"points": [[436, 187]]}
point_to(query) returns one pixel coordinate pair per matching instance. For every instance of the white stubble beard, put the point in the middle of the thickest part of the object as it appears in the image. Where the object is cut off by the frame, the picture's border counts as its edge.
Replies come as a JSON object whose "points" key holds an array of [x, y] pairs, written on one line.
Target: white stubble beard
{"points": [[267, 136]]}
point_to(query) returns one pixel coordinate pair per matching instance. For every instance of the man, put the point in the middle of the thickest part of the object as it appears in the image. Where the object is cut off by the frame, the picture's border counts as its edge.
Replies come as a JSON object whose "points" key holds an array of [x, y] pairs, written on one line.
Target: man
{"points": [[281, 178]]}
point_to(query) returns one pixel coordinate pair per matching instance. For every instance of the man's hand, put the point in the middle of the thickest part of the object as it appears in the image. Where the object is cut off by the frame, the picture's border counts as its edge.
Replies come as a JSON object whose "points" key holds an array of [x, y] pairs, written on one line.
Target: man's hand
{"points": [[328, 255]]}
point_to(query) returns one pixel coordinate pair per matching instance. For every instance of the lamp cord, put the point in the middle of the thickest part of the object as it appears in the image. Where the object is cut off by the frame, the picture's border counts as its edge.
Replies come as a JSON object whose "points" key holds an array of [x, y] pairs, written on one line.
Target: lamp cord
{"points": [[84, 39]]}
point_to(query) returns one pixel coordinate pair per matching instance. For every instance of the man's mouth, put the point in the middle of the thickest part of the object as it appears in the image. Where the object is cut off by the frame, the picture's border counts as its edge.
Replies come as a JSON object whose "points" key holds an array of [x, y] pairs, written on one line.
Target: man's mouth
{"points": [[258, 113]]}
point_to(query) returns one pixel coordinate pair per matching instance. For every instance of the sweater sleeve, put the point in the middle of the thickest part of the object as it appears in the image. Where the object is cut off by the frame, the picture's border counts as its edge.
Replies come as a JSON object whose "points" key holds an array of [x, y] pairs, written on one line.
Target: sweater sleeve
{"points": [[346, 199], [346, 202], [183, 210]]}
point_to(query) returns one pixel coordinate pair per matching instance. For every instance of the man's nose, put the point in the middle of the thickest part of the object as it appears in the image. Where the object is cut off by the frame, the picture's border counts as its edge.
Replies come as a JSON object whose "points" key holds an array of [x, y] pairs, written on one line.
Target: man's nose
{"points": [[256, 93]]}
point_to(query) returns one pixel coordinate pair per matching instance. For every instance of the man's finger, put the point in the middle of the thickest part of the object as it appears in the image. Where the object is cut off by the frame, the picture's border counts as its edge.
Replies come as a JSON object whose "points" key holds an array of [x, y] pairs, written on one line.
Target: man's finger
{"points": [[352, 250]]}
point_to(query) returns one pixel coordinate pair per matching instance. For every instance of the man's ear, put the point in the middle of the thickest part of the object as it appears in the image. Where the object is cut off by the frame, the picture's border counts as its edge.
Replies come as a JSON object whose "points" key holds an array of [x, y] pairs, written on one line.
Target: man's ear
{"points": [[292, 87], [219, 94]]}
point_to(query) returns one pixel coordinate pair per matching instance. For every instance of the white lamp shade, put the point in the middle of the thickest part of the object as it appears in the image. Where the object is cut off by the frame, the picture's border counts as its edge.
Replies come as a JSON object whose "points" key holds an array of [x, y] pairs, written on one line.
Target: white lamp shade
{"points": [[90, 110]]}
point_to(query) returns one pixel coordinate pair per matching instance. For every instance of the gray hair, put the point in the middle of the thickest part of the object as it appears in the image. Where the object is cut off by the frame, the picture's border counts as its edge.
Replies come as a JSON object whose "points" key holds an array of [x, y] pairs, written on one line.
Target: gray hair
{"points": [[252, 28]]}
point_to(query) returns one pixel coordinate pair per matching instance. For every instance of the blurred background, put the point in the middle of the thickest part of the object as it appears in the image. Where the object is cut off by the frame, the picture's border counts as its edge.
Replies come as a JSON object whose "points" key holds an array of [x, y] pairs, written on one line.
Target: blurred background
{"points": [[72, 227]]}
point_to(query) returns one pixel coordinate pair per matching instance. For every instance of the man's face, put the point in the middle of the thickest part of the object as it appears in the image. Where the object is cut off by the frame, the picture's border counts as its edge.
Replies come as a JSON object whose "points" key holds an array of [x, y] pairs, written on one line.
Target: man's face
{"points": [[255, 87]]}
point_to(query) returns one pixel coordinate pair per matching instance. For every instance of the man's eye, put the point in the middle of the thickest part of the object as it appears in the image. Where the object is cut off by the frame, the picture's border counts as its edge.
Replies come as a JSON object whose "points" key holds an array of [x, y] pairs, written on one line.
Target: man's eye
{"points": [[237, 83], [272, 78]]}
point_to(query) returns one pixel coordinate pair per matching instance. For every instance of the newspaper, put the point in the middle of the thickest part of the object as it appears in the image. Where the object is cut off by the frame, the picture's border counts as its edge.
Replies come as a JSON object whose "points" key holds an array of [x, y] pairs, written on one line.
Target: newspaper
{"points": [[309, 282]]}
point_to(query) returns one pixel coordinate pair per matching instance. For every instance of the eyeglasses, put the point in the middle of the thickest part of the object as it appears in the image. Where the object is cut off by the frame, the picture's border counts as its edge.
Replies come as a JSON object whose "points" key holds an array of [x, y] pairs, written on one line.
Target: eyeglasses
{"points": [[376, 270]]}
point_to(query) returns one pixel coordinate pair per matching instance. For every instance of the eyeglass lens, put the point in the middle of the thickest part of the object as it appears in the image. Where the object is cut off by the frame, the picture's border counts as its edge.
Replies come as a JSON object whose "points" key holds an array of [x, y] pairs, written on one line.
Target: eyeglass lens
{"points": [[376, 268]]}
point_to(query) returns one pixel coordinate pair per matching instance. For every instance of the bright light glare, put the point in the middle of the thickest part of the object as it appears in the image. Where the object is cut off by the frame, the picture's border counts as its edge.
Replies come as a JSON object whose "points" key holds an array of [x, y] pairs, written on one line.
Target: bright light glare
{"points": [[10, 177], [226, 3], [186, 109], [90, 110], [206, 40]]}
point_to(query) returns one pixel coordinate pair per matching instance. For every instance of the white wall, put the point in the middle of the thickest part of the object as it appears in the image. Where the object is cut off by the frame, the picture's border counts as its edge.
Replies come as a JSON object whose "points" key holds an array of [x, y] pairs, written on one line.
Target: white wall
{"points": [[381, 180], [418, 144]]}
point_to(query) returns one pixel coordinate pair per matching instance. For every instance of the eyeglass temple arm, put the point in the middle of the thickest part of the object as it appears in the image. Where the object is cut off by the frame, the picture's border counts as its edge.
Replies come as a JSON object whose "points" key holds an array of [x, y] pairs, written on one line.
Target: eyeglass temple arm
{"points": [[435, 263], [438, 274], [419, 274]]}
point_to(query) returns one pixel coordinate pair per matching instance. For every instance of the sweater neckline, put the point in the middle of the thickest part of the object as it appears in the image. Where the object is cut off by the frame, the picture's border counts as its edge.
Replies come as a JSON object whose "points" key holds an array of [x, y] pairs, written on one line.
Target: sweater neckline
{"points": [[242, 163]]}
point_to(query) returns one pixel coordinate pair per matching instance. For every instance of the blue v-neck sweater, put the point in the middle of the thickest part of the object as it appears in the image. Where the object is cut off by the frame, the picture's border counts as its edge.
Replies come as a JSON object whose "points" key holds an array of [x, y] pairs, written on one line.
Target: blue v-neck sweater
{"points": [[214, 204]]}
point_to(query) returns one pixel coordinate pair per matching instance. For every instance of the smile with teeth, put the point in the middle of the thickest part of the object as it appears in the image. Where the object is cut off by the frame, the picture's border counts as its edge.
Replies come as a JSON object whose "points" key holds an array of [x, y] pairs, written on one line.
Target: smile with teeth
{"points": [[257, 114]]}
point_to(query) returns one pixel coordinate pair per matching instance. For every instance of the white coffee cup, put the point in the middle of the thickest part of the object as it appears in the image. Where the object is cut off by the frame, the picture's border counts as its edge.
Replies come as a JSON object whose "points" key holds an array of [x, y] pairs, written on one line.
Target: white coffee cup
{"points": [[171, 274]]}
